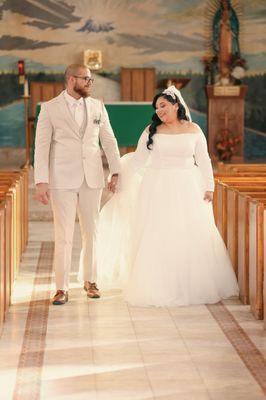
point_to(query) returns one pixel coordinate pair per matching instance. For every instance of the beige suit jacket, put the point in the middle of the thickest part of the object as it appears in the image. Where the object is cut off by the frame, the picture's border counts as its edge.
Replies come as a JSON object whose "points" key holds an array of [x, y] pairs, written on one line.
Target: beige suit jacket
{"points": [[62, 157]]}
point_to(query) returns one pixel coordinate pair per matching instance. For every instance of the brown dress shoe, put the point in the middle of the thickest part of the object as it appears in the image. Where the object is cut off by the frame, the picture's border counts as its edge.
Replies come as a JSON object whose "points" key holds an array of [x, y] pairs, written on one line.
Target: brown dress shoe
{"points": [[92, 290], [61, 297]]}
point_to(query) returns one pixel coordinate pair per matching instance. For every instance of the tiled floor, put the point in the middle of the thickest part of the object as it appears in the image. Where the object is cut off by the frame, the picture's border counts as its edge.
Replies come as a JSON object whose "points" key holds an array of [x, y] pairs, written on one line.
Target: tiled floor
{"points": [[106, 350]]}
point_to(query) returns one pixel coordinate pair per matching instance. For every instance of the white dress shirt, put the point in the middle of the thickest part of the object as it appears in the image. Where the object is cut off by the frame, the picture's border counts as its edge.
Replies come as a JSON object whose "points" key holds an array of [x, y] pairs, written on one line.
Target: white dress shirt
{"points": [[76, 107]]}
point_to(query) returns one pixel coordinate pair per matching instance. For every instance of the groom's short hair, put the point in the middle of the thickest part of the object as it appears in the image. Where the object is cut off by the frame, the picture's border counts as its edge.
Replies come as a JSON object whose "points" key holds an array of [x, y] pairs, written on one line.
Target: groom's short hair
{"points": [[73, 69]]}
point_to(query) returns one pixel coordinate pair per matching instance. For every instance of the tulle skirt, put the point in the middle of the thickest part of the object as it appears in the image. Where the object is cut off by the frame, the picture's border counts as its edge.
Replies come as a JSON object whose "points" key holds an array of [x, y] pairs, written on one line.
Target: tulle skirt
{"points": [[158, 241]]}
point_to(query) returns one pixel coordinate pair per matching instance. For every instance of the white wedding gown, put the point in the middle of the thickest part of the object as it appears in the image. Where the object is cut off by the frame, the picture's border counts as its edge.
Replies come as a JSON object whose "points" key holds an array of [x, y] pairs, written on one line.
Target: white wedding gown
{"points": [[157, 236]]}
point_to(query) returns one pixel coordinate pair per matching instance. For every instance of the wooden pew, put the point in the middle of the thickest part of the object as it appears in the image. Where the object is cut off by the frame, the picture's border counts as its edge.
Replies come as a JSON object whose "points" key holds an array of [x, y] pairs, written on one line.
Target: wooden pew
{"points": [[242, 244], [264, 271], [257, 168], [232, 215], [241, 182], [2, 265], [13, 230], [245, 184], [13, 192], [22, 179], [239, 207], [257, 216]]}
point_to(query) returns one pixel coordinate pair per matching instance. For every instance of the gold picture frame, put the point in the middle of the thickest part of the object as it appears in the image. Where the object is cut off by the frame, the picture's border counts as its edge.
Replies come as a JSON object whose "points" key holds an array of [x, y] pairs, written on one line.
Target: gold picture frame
{"points": [[93, 59]]}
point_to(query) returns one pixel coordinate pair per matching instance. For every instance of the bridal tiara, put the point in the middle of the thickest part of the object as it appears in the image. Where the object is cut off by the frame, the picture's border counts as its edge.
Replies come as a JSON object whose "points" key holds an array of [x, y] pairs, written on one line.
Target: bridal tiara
{"points": [[173, 92]]}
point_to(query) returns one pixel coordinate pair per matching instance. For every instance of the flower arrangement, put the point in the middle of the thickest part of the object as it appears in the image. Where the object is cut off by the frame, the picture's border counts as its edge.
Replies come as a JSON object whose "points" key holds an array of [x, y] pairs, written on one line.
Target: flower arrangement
{"points": [[226, 144], [238, 68]]}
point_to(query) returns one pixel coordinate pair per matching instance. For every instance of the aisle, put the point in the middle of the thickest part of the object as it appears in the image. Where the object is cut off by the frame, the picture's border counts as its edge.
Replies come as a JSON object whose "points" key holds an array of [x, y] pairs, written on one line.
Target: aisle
{"points": [[105, 350]]}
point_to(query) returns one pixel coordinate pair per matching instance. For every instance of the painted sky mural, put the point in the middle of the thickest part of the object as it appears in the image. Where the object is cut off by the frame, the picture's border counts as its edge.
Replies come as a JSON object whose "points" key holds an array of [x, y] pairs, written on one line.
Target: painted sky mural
{"points": [[167, 34]]}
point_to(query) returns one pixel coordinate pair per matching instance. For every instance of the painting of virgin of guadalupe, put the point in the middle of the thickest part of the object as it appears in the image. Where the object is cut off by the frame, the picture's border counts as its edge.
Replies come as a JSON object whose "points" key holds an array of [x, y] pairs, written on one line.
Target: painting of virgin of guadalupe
{"points": [[225, 35]]}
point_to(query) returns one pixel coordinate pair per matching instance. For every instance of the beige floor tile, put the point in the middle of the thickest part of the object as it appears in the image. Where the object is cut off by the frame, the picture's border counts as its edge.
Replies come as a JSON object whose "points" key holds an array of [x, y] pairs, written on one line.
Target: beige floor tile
{"points": [[186, 395], [163, 350], [127, 384], [71, 387], [220, 374], [118, 354], [148, 313], [175, 377], [155, 329], [244, 391]]}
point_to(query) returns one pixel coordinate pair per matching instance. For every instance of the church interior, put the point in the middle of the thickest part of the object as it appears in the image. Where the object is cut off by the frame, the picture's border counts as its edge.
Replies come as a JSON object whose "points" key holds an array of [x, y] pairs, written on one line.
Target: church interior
{"points": [[214, 52]]}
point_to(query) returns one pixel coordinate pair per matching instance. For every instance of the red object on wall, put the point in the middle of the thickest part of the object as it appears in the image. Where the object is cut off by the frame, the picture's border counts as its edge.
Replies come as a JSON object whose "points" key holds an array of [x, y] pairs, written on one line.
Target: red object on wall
{"points": [[21, 69]]}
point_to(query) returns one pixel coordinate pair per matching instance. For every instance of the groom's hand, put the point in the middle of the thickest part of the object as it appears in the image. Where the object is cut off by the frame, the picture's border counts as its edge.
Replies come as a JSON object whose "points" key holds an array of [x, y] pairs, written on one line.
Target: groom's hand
{"points": [[42, 193], [208, 196], [112, 185]]}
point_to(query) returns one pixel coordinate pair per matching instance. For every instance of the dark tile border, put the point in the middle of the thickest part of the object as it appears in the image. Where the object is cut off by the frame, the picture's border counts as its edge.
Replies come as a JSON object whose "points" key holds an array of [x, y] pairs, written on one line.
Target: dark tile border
{"points": [[249, 353], [28, 380]]}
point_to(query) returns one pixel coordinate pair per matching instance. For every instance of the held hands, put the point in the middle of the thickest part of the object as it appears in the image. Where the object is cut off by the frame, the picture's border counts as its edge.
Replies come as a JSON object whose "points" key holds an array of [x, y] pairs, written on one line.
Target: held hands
{"points": [[112, 185], [208, 196], [42, 193]]}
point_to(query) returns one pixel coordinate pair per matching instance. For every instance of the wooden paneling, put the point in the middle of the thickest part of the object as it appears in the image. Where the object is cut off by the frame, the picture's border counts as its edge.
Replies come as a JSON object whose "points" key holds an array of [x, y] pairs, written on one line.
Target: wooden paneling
{"points": [[150, 84], [126, 84], [137, 84], [43, 91]]}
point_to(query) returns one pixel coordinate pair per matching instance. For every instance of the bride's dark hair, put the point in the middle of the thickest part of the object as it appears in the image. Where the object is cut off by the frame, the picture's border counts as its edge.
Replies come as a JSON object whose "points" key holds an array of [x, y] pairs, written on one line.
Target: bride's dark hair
{"points": [[181, 114]]}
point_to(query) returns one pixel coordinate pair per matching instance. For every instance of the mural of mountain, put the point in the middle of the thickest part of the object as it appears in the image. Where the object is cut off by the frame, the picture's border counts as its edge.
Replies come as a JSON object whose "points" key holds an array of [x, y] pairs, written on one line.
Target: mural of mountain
{"points": [[91, 26]]}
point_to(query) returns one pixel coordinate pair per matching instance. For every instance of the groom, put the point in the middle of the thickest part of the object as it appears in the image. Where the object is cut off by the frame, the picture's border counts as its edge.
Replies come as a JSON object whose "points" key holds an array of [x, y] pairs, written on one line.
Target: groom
{"points": [[68, 170]]}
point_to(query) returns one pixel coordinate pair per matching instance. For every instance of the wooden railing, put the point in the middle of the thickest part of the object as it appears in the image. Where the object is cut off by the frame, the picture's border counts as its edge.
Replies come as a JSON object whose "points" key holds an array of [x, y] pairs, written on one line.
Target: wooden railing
{"points": [[240, 215], [13, 230]]}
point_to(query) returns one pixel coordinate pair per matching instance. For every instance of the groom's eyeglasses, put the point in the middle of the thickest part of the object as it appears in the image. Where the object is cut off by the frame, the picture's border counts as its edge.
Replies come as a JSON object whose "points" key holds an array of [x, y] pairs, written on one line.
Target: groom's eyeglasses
{"points": [[87, 79]]}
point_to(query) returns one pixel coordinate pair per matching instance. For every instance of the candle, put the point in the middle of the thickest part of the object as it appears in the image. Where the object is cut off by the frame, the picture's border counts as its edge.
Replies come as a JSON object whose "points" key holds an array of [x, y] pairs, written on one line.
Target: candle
{"points": [[26, 88]]}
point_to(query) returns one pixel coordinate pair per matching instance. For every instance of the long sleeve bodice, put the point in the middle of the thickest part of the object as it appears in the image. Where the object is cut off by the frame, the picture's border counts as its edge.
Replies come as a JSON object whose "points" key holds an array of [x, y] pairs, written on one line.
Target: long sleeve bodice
{"points": [[203, 161], [142, 153], [175, 151]]}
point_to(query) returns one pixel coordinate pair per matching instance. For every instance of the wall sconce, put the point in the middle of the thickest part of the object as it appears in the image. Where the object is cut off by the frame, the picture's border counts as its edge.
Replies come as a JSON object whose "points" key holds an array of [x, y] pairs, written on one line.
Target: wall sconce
{"points": [[93, 59]]}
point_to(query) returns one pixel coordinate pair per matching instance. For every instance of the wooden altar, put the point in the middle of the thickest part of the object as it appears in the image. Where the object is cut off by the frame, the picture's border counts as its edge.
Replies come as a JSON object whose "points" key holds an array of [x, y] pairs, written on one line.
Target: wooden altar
{"points": [[226, 111]]}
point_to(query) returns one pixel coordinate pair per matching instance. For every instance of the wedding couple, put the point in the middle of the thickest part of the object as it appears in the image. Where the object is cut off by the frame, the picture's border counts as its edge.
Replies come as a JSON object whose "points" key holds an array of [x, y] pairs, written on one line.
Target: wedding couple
{"points": [[155, 238]]}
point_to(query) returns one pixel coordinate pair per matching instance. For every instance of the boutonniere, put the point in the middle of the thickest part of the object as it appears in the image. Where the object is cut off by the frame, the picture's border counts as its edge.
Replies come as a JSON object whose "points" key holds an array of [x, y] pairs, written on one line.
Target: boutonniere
{"points": [[97, 121]]}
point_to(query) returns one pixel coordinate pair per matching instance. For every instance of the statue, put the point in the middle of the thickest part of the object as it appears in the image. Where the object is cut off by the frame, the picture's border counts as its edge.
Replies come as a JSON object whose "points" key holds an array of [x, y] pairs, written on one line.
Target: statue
{"points": [[225, 37]]}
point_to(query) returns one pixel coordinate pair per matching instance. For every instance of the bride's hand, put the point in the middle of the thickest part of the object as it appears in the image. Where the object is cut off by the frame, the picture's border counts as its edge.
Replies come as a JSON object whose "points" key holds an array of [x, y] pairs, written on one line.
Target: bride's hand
{"points": [[208, 196], [112, 185]]}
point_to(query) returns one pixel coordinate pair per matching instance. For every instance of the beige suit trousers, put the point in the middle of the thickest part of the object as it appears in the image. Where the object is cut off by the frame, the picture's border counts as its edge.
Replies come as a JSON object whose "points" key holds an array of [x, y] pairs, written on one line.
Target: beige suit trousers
{"points": [[65, 204]]}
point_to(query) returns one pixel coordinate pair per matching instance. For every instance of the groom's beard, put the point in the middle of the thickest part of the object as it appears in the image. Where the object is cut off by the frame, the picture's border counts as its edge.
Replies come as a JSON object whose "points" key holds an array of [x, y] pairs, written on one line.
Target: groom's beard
{"points": [[84, 91]]}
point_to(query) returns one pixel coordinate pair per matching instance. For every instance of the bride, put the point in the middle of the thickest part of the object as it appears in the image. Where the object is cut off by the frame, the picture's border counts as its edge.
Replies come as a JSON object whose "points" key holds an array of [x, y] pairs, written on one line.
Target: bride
{"points": [[157, 237]]}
